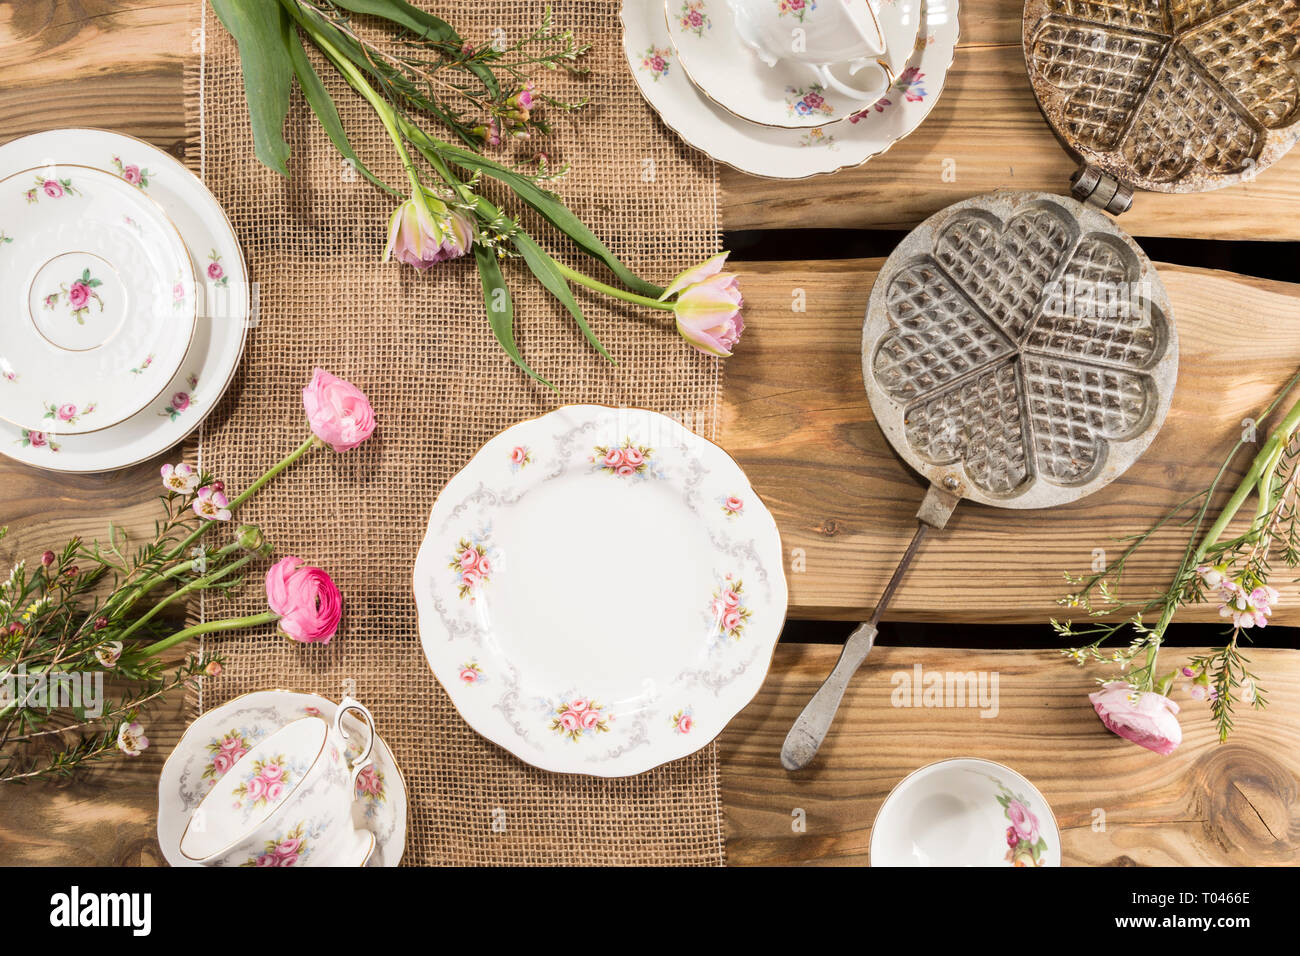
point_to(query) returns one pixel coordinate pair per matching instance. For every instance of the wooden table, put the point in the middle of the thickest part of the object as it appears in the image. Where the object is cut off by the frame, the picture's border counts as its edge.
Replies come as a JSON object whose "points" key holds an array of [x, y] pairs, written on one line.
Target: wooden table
{"points": [[795, 415]]}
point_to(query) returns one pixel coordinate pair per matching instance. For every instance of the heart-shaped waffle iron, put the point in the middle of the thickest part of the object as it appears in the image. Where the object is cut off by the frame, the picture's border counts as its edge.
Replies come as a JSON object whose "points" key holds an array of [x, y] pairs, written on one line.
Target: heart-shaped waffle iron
{"points": [[1018, 350], [1170, 95]]}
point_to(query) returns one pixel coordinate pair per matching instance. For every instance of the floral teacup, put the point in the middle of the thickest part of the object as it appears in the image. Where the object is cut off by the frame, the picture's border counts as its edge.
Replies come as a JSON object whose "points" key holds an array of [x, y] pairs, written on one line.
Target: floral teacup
{"points": [[828, 37], [965, 812], [287, 801]]}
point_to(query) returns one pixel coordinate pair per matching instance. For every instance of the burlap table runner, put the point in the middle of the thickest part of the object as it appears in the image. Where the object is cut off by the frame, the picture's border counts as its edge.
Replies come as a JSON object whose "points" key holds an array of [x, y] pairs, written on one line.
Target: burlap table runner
{"points": [[421, 348]]}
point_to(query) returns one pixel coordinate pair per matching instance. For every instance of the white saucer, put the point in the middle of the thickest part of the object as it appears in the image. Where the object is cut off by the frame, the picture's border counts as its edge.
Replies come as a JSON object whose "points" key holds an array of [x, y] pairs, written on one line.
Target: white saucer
{"points": [[725, 69], [220, 736], [600, 590], [96, 299], [223, 309], [786, 153]]}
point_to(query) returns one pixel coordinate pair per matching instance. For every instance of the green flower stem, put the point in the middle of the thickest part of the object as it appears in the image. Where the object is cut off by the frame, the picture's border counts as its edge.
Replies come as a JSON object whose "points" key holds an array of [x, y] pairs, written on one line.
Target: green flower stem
{"points": [[597, 286], [151, 582], [1260, 478], [195, 585], [210, 627], [356, 79]]}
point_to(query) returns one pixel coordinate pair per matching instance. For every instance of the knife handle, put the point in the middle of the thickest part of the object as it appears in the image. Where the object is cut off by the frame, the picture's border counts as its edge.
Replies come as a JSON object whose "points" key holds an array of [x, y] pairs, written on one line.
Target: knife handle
{"points": [[810, 728]]}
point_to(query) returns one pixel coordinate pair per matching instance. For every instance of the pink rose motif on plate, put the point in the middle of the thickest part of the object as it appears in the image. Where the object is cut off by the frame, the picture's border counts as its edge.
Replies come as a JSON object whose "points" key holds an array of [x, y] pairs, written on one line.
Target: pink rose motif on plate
{"points": [[35, 439], [216, 272], [471, 673], [80, 294], [728, 608], [798, 9], [694, 18], [68, 412], [180, 401], [370, 784], [655, 61], [287, 850], [578, 716], [269, 781], [52, 188], [520, 457], [732, 506], [626, 460], [682, 722], [471, 566], [135, 175], [1025, 844], [224, 753]]}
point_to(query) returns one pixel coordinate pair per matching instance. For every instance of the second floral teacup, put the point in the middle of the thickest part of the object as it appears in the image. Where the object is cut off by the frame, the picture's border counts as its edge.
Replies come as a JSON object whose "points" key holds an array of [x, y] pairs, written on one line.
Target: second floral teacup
{"points": [[287, 802]]}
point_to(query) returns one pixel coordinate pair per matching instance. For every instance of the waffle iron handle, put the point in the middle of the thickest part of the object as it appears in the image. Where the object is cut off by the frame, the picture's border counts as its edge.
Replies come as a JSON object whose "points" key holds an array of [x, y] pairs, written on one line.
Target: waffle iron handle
{"points": [[811, 726]]}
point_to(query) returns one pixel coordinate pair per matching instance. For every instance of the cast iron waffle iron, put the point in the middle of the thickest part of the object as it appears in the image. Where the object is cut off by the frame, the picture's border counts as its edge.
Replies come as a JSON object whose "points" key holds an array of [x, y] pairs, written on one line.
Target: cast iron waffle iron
{"points": [[1018, 351], [1168, 95]]}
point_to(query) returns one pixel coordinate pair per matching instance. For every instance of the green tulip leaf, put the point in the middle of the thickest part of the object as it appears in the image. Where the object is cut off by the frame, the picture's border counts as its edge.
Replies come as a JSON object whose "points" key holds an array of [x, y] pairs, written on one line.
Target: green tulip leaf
{"points": [[258, 28], [500, 308]]}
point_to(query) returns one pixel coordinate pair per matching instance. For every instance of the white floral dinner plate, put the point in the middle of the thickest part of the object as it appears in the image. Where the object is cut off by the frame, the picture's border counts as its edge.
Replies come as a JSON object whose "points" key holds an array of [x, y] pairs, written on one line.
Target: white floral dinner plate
{"points": [[218, 738], [96, 299], [714, 57], [787, 153], [600, 590], [223, 306]]}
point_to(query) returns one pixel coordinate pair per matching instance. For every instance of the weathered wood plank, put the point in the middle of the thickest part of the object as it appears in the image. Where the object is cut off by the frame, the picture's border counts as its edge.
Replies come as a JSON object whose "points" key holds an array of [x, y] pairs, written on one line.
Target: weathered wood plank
{"points": [[1205, 804], [795, 415]]}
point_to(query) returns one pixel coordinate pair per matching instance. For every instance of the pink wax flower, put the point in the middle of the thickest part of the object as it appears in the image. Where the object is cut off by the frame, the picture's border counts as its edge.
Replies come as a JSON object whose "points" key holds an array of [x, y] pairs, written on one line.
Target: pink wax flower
{"points": [[307, 600], [339, 413], [131, 739], [181, 479], [708, 306], [211, 505], [1146, 718]]}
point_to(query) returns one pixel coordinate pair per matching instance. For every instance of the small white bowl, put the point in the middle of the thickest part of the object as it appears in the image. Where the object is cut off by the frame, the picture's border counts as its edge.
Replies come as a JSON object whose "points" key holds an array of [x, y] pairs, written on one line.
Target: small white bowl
{"points": [[965, 812]]}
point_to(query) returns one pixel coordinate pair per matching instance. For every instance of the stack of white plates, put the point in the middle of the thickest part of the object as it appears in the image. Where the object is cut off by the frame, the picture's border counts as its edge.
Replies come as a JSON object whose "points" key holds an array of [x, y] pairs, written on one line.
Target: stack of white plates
{"points": [[124, 301], [711, 88]]}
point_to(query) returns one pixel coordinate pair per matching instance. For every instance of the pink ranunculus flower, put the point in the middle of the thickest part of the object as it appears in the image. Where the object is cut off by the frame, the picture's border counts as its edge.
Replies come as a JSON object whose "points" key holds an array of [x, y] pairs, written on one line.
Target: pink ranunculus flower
{"points": [[52, 188], [307, 600], [1147, 719], [67, 412], [339, 413], [708, 306], [78, 294]]}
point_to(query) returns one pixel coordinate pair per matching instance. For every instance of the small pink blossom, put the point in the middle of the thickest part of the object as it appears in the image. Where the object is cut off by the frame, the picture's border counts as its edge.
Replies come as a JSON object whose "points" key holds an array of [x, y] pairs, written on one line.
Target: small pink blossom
{"points": [[211, 505], [131, 739]]}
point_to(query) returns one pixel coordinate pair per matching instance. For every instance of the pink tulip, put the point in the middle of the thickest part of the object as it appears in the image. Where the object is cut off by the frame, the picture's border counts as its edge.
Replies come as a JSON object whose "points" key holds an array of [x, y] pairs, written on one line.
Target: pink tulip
{"points": [[307, 600], [708, 306], [1146, 718], [339, 413], [424, 231]]}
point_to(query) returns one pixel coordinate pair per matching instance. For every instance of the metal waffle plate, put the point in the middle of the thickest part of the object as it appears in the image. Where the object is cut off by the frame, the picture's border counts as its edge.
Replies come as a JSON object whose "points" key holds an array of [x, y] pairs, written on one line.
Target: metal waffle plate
{"points": [[1170, 95], [1019, 350]]}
